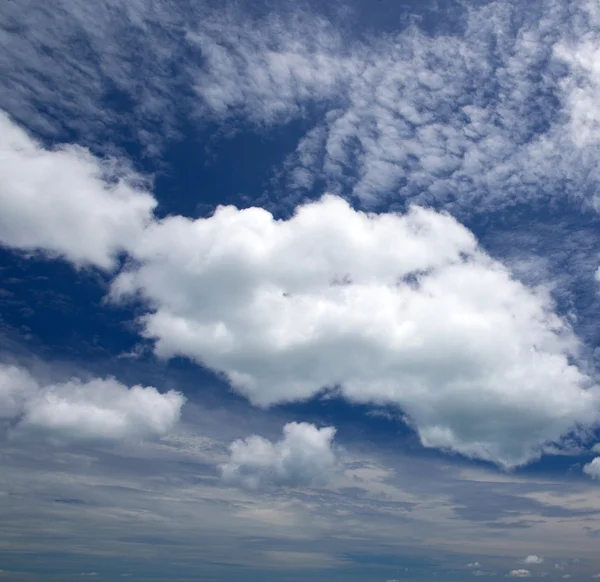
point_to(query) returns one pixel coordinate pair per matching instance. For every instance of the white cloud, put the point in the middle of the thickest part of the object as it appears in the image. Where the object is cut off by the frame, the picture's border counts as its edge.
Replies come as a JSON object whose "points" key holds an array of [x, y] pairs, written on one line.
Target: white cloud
{"points": [[532, 559], [439, 119], [473, 565], [303, 457], [391, 309], [593, 469], [519, 574], [268, 71], [396, 310], [96, 410], [65, 201]]}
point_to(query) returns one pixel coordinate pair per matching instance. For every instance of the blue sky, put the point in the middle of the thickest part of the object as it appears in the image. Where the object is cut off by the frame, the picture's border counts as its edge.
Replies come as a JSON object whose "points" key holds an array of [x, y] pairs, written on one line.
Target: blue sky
{"points": [[296, 291]]}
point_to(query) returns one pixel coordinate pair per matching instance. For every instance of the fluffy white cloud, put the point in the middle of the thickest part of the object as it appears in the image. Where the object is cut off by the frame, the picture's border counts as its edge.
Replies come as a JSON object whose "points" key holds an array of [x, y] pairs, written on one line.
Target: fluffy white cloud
{"points": [[519, 574], [304, 456], [532, 559], [593, 469], [65, 201], [473, 565], [389, 309], [97, 410]]}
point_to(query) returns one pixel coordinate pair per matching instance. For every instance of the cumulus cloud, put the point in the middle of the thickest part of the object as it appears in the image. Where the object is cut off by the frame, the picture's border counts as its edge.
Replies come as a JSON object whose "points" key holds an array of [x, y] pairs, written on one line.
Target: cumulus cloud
{"points": [[473, 565], [593, 469], [96, 410], [519, 574], [396, 310], [66, 202], [402, 310], [532, 559], [303, 457]]}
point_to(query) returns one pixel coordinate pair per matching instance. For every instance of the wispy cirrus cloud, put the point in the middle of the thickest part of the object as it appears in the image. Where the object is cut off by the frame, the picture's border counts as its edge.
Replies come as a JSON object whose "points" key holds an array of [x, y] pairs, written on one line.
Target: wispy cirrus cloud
{"points": [[471, 121], [498, 112], [95, 71]]}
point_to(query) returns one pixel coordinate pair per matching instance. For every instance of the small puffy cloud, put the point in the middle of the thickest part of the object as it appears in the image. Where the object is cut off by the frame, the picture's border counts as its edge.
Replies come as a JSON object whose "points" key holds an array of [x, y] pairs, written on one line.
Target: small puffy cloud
{"points": [[389, 309], [596, 576], [593, 469], [96, 410], [519, 573], [473, 565], [66, 202], [532, 559], [566, 576], [303, 457]]}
